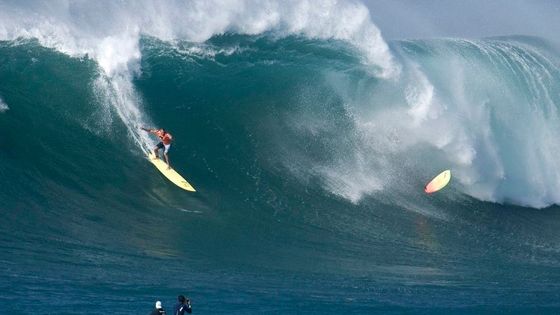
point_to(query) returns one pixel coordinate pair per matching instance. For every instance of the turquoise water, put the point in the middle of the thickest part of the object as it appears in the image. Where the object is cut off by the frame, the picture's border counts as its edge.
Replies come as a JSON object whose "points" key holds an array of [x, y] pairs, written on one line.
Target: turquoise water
{"points": [[309, 171]]}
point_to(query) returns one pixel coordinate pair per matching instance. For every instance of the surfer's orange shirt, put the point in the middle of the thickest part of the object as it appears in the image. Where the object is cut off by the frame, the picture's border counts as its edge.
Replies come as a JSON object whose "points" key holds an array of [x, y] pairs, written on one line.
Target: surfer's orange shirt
{"points": [[165, 137]]}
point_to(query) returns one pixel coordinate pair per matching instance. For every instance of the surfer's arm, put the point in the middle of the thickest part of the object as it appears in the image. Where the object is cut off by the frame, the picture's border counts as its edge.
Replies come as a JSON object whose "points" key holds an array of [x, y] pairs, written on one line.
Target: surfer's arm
{"points": [[148, 130]]}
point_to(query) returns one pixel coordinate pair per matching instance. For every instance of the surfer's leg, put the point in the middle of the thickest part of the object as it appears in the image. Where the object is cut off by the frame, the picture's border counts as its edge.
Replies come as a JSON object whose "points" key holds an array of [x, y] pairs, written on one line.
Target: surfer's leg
{"points": [[156, 149], [165, 150], [167, 160]]}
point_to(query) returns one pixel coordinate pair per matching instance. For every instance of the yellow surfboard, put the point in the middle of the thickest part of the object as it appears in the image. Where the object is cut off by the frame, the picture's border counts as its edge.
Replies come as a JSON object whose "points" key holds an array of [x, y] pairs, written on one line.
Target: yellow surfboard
{"points": [[170, 173], [438, 182]]}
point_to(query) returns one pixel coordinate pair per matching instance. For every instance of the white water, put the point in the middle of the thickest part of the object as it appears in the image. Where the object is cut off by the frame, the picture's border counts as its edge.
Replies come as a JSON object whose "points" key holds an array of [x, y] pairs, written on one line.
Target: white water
{"points": [[487, 110]]}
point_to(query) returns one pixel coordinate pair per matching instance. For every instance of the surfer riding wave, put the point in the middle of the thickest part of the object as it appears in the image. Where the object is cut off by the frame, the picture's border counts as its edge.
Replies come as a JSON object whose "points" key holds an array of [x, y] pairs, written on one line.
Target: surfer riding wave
{"points": [[164, 144]]}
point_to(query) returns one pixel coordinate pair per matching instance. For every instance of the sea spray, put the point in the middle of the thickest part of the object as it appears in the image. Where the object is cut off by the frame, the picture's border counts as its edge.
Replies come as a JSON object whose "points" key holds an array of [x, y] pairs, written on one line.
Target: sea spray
{"points": [[486, 109]]}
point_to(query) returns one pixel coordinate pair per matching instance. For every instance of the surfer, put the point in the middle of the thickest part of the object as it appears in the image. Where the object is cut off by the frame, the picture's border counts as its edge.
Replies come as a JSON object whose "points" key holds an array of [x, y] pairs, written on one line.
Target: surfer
{"points": [[164, 144], [183, 306], [159, 310]]}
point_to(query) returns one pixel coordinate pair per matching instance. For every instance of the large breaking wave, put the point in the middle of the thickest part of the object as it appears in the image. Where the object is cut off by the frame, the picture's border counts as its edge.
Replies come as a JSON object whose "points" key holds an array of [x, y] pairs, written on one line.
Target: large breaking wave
{"points": [[309, 140], [486, 109]]}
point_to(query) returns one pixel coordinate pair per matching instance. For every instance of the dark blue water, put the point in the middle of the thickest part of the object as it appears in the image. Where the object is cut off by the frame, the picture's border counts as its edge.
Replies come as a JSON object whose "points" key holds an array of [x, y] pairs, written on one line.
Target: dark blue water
{"points": [[309, 172]]}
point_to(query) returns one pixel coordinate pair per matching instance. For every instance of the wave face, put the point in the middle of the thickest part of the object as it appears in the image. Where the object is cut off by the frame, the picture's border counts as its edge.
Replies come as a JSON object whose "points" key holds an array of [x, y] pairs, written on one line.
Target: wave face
{"points": [[309, 140]]}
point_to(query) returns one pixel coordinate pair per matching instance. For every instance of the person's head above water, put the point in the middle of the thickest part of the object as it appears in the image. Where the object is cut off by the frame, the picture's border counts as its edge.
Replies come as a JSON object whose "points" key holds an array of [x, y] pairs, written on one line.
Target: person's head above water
{"points": [[181, 298], [158, 304]]}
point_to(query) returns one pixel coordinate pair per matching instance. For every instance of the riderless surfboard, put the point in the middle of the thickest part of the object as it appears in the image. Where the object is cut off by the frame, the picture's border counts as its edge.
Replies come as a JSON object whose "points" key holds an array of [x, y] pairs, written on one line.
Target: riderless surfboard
{"points": [[438, 182]]}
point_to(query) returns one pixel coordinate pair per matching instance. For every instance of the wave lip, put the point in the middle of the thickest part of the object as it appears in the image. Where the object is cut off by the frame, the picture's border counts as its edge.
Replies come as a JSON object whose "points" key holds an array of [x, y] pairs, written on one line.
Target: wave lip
{"points": [[110, 32]]}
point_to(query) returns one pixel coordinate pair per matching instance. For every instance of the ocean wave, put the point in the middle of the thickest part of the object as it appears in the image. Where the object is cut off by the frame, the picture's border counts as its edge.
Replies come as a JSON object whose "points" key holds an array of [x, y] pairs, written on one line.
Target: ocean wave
{"points": [[77, 29], [485, 109]]}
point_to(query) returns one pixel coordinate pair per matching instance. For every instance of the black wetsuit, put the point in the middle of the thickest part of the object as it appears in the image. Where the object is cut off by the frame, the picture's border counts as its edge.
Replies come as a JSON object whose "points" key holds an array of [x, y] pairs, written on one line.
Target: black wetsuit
{"points": [[158, 311], [181, 308]]}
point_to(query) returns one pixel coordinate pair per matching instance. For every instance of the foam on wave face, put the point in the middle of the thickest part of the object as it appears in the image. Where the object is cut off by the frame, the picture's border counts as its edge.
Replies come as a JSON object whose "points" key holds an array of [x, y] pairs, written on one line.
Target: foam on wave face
{"points": [[3, 106]]}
